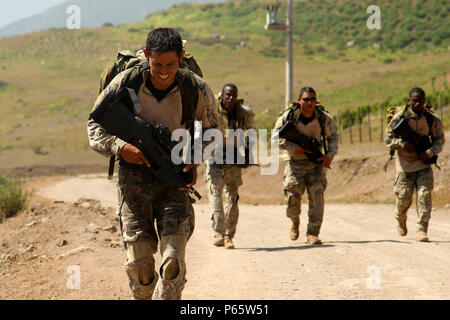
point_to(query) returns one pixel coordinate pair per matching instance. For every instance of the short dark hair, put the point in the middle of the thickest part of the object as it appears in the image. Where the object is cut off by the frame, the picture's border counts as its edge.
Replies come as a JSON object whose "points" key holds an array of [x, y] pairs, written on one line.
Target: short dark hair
{"points": [[164, 40], [306, 89], [417, 90], [230, 85]]}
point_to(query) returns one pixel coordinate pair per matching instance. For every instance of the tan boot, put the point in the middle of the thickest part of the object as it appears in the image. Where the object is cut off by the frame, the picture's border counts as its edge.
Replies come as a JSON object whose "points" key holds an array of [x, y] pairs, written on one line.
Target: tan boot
{"points": [[228, 243], [218, 240], [401, 227], [294, 229], [312, 240], [421, 236]]}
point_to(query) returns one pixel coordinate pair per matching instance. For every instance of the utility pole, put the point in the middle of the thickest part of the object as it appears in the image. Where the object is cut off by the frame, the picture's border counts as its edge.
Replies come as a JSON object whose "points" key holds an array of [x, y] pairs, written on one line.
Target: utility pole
{"points": [[273, 24], [289, 55]]}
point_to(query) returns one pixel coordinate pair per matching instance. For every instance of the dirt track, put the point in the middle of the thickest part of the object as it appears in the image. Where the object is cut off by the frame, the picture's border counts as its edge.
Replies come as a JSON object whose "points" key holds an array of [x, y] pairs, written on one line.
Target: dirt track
{"points": [[362, 256]]}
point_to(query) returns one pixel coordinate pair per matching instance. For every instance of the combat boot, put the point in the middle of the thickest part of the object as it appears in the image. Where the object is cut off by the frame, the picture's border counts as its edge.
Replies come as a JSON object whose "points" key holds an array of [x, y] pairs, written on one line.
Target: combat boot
{"points": [[218, 240], [401, 227], [228, 243], [294, 229], [312, 240], [421, 236]]}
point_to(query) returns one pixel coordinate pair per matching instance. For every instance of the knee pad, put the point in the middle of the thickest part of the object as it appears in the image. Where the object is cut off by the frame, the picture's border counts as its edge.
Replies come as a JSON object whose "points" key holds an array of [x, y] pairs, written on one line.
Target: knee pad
{"points": [[172, 250], [172, 280], [170, 269], [140, 262], [141, 271], [142, 278]]}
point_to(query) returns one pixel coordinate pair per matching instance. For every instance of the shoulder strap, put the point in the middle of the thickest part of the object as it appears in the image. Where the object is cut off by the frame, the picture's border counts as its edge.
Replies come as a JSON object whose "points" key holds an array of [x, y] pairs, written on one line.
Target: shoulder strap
{"points": [[322, 119], [294, 112], [242, 113], [134, 79], [430, 120], [189, 95]]}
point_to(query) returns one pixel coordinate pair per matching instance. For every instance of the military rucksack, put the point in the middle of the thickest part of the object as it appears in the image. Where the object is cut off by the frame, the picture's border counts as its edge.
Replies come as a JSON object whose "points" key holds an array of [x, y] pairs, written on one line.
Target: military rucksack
{"points": [[188, 86], [294, 112]]}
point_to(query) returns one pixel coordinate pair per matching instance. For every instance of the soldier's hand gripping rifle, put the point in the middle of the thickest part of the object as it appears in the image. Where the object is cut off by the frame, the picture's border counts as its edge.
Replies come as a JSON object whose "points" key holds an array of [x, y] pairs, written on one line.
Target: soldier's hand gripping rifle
{"points": [[289, 132], [239, 160], [115, 116], [421, 143]]}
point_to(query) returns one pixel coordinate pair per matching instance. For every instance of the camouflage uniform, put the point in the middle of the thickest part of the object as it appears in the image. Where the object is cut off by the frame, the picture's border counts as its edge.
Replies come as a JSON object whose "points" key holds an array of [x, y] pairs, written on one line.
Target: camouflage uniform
{"points": [[150, 212], [223, 178], [412, 174], [301, 174], [226, 178]]}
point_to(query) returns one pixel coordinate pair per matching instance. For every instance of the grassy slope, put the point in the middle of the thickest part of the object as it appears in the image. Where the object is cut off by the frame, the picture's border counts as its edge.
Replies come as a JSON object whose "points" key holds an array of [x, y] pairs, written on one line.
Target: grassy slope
{"points": [[49, 95]]}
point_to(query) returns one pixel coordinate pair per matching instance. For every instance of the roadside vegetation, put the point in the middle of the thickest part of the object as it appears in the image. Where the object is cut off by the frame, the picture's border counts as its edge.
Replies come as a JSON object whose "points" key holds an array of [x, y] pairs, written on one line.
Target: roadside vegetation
{"points": [[13, 197]]}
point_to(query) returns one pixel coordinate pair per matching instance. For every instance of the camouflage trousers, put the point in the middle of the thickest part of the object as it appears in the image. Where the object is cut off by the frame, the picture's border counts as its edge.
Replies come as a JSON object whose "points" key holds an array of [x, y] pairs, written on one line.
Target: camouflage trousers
{"points": [[151, 214], [301, 175], [420, 182], [226, 179]]}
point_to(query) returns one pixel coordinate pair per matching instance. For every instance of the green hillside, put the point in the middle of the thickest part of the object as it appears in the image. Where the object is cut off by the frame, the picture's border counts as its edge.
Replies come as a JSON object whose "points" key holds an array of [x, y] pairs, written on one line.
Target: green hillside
{"points": [[49, 79], [415, 25]]}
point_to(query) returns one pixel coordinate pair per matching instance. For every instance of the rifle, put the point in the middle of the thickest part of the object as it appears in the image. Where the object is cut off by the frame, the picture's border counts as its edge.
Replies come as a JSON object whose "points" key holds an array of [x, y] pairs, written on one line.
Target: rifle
{"points": [[246, 157], [421, 143], [115, 116], [289, 132]]}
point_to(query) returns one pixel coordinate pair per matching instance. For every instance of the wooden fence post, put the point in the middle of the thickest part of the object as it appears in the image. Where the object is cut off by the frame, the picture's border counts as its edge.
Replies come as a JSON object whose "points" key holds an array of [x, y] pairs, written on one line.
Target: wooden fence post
{"points": [[359, 126], [349, 127], [368, 123]]}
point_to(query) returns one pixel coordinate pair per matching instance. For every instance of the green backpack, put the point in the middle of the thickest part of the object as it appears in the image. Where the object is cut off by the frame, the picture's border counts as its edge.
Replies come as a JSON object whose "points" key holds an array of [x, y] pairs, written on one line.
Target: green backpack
{"points": [[127, 59], [391, 111]]}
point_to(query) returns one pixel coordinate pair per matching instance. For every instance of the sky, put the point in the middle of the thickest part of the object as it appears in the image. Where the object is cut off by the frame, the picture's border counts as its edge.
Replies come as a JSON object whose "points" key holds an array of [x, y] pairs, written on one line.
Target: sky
{"points": [[11, 11]]}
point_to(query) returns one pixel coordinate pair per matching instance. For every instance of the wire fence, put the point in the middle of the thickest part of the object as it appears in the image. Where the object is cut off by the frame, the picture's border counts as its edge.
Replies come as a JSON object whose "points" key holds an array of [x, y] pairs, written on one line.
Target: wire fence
{"points": [[370, 125]]}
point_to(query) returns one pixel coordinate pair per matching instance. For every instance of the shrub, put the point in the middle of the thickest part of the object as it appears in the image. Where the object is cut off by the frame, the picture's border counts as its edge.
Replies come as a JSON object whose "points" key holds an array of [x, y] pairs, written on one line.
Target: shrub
{"points": [[13, 198], [388, 60], [37, 149], [402, 39]]}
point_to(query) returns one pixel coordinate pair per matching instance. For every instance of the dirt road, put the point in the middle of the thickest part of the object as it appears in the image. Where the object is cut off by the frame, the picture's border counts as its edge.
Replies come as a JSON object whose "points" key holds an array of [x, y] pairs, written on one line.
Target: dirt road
{"points": [[362, 257]]}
